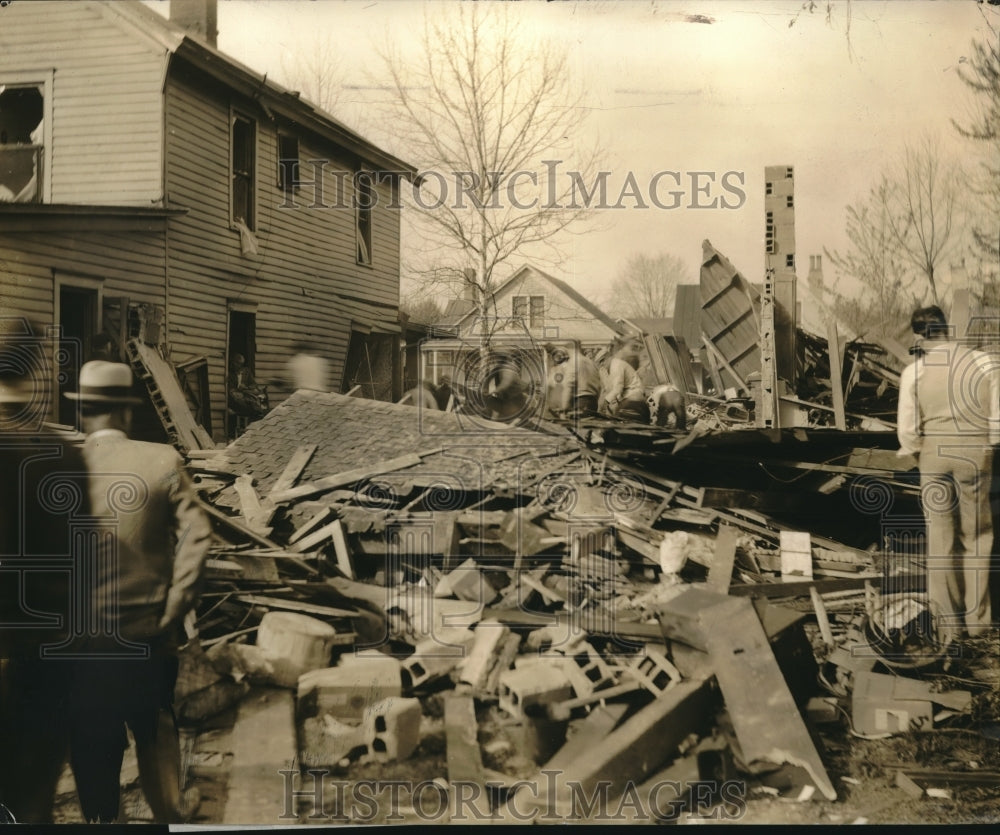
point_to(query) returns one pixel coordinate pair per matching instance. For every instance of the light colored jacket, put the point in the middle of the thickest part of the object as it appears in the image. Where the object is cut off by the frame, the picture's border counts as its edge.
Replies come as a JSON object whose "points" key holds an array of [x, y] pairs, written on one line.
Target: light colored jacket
{"points": [[152, 550]]}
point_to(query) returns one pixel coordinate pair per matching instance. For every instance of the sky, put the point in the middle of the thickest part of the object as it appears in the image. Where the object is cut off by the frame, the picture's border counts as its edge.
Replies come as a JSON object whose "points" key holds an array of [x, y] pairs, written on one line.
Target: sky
{"points": [[749, 84]]}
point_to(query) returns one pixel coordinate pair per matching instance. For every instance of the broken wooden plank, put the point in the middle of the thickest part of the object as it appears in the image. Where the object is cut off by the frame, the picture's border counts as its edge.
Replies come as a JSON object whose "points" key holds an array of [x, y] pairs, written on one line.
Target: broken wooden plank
{"points": [[767, 721], [720, 572], [295, 606], [293, 469], [255, 515], [627, 755], [332, 482], [340, 549], [464, 758], [310, 524], [796, 555]]}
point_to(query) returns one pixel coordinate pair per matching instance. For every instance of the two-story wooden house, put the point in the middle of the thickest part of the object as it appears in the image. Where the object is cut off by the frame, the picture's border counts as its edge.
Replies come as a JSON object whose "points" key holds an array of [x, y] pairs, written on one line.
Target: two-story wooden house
{"points": [[147, 179]]}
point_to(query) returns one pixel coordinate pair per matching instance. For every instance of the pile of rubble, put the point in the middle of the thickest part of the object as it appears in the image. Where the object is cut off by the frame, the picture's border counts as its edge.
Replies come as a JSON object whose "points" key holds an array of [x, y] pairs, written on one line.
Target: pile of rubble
{"points": [[571, 611]]}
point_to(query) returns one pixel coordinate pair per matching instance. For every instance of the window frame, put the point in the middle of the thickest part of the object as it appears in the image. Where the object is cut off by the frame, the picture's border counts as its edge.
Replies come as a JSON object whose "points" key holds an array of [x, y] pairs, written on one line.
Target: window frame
{"points": [[364, 217], [288, 182], [248, 177], [42, 79]]}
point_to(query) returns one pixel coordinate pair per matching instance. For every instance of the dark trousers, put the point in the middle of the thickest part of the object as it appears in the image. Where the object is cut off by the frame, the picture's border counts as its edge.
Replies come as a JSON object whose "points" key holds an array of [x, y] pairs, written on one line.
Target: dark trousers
{"points": [[34, 710], [108, 697]]}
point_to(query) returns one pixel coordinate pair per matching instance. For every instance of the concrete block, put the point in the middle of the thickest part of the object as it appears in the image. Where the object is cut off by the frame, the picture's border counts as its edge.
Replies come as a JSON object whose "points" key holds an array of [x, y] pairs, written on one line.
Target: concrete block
{"points": [[467, 582], [393, 729], [586, 669], [433, 659], [294, 644], [487, 638], [349, 689], [533, 684]]}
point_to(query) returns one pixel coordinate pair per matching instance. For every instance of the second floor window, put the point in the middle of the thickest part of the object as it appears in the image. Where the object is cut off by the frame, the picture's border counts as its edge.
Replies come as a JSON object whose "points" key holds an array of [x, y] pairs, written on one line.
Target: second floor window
{"points": [[244, 159], [365, 202], [530, 310], [22, 108]]}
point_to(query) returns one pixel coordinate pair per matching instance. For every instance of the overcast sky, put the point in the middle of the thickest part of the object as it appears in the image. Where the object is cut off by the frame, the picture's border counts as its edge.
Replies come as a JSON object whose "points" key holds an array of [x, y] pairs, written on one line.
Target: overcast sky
{"points": [[743, 89]]}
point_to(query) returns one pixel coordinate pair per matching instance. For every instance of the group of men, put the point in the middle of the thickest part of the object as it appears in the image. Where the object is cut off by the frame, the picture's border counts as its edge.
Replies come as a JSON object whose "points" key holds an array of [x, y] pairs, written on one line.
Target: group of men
{"points": [[578, 385], [102, 551]]}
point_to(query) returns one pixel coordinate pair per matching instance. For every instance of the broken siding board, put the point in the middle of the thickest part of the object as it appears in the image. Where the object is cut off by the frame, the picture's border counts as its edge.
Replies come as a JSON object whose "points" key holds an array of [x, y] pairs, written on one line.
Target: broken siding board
{"points": [[767, 721]]}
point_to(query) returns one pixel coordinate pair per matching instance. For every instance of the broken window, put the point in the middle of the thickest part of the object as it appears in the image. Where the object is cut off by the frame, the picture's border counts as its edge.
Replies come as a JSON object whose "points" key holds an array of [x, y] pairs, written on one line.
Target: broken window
{"points": [[22, 108], [288, 162], [244, 142], [365, 199]]}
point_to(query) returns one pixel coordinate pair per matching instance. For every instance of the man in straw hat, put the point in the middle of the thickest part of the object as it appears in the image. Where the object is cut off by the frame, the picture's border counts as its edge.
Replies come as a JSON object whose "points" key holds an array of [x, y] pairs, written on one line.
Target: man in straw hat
{"points": [[146, 578]]}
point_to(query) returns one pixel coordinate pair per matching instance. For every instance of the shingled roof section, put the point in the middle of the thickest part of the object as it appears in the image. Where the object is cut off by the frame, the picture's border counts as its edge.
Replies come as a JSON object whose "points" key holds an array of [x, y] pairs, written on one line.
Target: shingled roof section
{"points": [[352, 433]]}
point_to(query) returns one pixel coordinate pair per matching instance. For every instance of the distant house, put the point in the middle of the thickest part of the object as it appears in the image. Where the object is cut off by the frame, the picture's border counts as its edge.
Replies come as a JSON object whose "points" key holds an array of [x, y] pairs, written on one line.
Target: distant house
{"points": [[150, 185], [539, 307]]}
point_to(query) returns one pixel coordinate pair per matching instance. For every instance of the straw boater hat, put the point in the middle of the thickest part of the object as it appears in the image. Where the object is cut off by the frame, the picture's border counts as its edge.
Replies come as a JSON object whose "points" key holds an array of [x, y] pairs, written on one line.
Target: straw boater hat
{"points": [[105, 382]]}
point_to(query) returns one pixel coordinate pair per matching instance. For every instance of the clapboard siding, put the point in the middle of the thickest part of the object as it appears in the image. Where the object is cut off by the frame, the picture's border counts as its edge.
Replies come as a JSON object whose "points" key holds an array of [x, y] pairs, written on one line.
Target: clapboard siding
{"points": [[124, 263], [134, 123], [106, 96], [306, 255]]}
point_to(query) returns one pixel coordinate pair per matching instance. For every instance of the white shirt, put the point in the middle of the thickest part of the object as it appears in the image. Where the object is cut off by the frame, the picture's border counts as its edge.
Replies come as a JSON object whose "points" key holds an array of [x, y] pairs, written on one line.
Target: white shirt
{"points": [[941, 393]]}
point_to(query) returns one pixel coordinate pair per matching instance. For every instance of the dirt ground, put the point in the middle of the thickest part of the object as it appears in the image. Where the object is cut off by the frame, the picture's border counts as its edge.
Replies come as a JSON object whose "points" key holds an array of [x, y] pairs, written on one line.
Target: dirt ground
{"points": [[862, 770]]}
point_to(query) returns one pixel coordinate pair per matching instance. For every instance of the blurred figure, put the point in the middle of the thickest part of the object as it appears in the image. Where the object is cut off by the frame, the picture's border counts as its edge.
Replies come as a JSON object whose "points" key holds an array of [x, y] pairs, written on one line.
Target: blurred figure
{"points": [[504, 393], [667, 404], [42, 495], [307, 370], [102, 347], [246, 398], [143, 581], [623, 395], [574, 381]]}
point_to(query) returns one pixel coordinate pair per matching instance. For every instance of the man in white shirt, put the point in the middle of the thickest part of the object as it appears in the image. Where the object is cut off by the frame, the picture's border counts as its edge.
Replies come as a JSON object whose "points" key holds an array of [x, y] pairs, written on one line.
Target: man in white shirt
{"points": [[949, 417]]}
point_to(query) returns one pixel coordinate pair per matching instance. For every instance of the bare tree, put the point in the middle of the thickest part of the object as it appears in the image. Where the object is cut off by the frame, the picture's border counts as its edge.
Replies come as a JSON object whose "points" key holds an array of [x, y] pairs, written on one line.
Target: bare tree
{"points": [[647, 286], [884, 289], [909, 226], [923, 211], [490, 116], [982, 77], [316, 69]]}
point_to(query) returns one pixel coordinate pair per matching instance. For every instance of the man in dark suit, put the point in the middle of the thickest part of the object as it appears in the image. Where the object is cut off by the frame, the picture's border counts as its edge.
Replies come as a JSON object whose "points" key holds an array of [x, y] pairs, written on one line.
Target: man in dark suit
{"points": [[145, 568], [43, 498]]}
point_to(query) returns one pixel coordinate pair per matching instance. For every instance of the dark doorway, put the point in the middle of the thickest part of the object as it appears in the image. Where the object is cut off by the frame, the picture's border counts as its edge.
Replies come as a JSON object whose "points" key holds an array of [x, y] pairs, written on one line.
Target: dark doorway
{"points": [[78, 321], [242, 341]]}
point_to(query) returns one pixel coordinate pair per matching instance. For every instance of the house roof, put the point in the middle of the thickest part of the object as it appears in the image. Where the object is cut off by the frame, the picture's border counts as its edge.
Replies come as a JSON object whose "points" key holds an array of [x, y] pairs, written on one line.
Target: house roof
{"points": [[579, 299], [272, 96], [655, 326], [353, 432]]}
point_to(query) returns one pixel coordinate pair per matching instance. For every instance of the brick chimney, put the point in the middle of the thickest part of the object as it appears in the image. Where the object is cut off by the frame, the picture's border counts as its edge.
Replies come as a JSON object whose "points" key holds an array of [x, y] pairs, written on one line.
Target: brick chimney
{"points": [[199, 17]]}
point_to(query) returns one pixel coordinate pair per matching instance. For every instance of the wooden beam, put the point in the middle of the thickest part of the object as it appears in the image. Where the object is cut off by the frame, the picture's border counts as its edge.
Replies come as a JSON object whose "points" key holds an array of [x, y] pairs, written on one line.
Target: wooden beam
{"points": [[836, 374], [765, 717], [628, 754], [332, 482], [720, 573]]}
